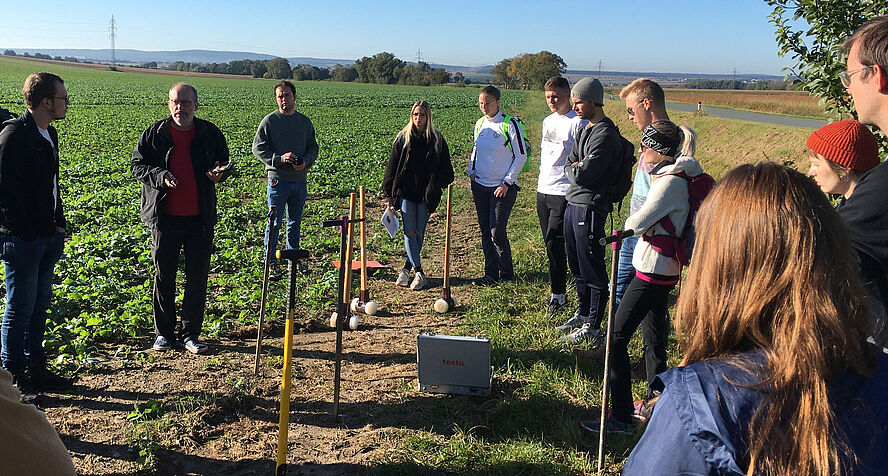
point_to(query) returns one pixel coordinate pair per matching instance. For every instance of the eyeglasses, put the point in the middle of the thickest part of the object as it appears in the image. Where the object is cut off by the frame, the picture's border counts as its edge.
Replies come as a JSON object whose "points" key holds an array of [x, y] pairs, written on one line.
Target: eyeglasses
{"points": [[185, 103], [631, 111], [63, 98], [845, 76]]}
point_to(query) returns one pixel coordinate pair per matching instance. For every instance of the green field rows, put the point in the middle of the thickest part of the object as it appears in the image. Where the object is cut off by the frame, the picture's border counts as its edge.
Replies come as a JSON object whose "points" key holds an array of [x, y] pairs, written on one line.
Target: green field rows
{"points": [[105, 287]]}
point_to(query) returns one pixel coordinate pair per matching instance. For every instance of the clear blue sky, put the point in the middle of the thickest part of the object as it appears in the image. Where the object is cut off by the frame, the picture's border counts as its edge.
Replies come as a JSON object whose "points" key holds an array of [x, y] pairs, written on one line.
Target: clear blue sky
{"points": [[695, 36]]}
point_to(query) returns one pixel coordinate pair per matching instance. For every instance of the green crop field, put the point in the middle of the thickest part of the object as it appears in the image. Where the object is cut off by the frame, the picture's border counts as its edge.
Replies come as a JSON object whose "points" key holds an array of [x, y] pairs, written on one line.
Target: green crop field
{"points": [[103, 289], [105, 292]]}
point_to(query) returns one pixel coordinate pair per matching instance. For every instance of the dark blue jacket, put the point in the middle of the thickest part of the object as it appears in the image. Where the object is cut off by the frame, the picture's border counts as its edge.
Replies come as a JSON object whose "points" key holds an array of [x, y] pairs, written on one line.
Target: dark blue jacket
{"points": [[701, 421]]}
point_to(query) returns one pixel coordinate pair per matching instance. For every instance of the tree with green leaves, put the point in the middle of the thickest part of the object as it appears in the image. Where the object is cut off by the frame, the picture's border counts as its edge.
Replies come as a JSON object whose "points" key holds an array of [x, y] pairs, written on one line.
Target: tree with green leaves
{"points": [[279, 68], [528, 70], [816, 49]]}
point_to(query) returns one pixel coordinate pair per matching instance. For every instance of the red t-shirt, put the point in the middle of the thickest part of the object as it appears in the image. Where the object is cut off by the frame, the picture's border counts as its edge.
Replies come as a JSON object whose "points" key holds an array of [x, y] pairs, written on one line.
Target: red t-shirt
{"points": [[182, 200]]}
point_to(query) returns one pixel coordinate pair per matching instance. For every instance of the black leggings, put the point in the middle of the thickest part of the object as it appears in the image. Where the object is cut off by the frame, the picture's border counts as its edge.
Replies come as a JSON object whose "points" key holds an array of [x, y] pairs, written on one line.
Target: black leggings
{"points": [[643, 303]]}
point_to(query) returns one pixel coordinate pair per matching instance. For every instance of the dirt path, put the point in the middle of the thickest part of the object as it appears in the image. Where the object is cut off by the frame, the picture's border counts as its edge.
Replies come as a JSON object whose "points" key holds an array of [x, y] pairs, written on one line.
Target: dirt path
{"points": [[218, 418]]}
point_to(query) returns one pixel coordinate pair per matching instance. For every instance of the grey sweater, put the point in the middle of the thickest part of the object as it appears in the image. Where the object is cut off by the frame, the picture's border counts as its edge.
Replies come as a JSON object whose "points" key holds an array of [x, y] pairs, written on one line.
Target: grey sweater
{"points": [[278, 134]]}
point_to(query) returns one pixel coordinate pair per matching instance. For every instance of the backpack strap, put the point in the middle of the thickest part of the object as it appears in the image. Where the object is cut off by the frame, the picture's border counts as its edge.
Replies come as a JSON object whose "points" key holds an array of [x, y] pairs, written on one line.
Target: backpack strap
{"points": [[478, 124]]}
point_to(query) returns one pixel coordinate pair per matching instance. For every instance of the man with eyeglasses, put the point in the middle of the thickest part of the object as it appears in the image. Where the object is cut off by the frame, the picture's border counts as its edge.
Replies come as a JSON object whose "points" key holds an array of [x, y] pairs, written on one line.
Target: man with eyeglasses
{"points": [[179, 161], [32, 230], [645, 104], [866, 211]]}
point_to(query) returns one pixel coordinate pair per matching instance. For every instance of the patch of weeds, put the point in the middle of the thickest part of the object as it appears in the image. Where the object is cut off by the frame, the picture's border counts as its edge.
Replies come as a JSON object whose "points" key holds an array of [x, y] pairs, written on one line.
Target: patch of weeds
{"points": [[151, 410]]}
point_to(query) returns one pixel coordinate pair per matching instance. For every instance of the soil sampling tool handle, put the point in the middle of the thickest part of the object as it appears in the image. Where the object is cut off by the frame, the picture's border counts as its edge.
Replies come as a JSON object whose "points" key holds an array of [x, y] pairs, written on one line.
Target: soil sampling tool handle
{"points": [[618, 235], [292, 255], [271, 215], [616, 240], [284, 421], [363, 247], [344, 264], [447, 241]]}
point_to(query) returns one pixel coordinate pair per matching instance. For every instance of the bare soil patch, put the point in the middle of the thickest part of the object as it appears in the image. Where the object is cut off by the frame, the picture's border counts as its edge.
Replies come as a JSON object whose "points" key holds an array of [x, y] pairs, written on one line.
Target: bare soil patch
{"points": [[221, 419]]}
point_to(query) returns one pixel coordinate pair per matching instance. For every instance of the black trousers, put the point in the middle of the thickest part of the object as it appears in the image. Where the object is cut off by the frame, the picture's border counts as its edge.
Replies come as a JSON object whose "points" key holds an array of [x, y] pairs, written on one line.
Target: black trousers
{"points": [[550, 210], [643, 303], [583, 227], [493, 216], [169, 238]]}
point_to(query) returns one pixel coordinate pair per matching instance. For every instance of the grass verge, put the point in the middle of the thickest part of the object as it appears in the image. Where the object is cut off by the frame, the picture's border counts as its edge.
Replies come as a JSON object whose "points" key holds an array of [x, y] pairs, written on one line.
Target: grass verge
{"points": [[542, 388]]}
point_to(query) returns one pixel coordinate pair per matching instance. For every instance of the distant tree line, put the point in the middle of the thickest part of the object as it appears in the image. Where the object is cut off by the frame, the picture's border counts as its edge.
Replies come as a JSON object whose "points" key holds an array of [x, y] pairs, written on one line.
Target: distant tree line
{"points": [[528, 70], [25, 54], [381, 68], [741, 85]]}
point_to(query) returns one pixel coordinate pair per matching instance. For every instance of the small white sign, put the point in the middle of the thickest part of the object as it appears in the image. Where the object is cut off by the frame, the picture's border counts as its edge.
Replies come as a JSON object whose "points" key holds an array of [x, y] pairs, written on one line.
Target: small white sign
{"points": [[390, 221]]}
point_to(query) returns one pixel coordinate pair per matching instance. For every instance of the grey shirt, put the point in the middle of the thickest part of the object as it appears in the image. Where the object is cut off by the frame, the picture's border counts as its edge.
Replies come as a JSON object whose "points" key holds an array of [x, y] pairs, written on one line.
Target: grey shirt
{"points": [[278, 134]]}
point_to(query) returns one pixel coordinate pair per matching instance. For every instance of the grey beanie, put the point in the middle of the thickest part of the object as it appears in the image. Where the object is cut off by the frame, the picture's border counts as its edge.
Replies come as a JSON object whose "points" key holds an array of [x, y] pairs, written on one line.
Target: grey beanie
{"points": [[589, 89]]}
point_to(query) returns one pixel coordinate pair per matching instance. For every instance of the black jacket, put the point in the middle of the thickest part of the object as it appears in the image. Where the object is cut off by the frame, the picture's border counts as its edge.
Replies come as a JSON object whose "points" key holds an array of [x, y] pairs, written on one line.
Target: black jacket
{"points": [[437, 161], [866, 215], [151, 159], [593, 164], [30, 200]]}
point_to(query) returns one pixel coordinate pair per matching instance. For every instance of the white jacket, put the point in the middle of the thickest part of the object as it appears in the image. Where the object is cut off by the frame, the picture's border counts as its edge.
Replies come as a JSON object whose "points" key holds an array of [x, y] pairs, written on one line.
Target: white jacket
{"points": [[668, 196]]}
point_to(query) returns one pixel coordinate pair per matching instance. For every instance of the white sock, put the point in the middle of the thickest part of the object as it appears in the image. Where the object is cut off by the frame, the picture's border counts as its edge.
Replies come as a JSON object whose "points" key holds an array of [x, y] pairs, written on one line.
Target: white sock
{"points": [[558, 297]]}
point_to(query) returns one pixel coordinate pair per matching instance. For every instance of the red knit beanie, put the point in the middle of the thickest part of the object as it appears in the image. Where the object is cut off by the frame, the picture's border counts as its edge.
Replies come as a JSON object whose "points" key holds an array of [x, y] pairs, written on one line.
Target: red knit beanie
{"points": [[848, 143]]}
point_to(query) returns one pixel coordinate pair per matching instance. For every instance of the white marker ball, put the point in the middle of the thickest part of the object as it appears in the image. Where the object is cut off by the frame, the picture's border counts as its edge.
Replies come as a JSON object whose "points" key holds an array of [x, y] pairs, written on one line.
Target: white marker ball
{"points": [[371, 308], [354, 305], [441, 306], [353, 322]]}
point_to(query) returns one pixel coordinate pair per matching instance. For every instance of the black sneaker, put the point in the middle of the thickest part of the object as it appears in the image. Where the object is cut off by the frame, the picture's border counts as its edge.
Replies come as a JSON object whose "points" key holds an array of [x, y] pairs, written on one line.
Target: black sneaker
{"points": [[555, 306], [639, 370], [485, 281], [612, 426], [25, 384], [45, 379]]}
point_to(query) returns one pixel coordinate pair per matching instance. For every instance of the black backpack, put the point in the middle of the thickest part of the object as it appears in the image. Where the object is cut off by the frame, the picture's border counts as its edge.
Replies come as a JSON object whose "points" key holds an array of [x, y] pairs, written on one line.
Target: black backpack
{"points": [[623, 181]]}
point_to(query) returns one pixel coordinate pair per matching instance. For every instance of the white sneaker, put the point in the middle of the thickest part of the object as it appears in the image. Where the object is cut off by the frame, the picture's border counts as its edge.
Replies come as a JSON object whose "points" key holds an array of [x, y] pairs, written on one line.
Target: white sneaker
{"points": [[574, 322], [419, 281], [403, 278], [585, 334]]}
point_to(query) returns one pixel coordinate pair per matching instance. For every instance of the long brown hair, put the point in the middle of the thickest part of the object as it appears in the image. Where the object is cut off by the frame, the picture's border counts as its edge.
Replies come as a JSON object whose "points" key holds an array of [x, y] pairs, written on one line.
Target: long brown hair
{"points": [[772, 270]]}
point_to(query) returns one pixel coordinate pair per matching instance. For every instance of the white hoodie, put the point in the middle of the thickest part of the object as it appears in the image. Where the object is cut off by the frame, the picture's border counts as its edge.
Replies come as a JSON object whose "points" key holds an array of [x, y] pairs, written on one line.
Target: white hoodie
{"points": [[668, 196]]}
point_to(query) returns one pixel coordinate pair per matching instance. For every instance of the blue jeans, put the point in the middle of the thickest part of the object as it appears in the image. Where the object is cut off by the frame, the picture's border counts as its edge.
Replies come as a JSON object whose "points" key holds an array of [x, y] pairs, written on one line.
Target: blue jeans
{"points": [[625, 270], [29, 267], [415, 217], [291, 195]]}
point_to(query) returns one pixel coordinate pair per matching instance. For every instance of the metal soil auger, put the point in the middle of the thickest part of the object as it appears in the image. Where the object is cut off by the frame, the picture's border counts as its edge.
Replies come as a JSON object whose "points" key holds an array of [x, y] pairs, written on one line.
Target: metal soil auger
{"points": [[446, 302], [616, 241], [363, 303], [271, 216], [283, 423], [345, 225], [345, 271]]}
